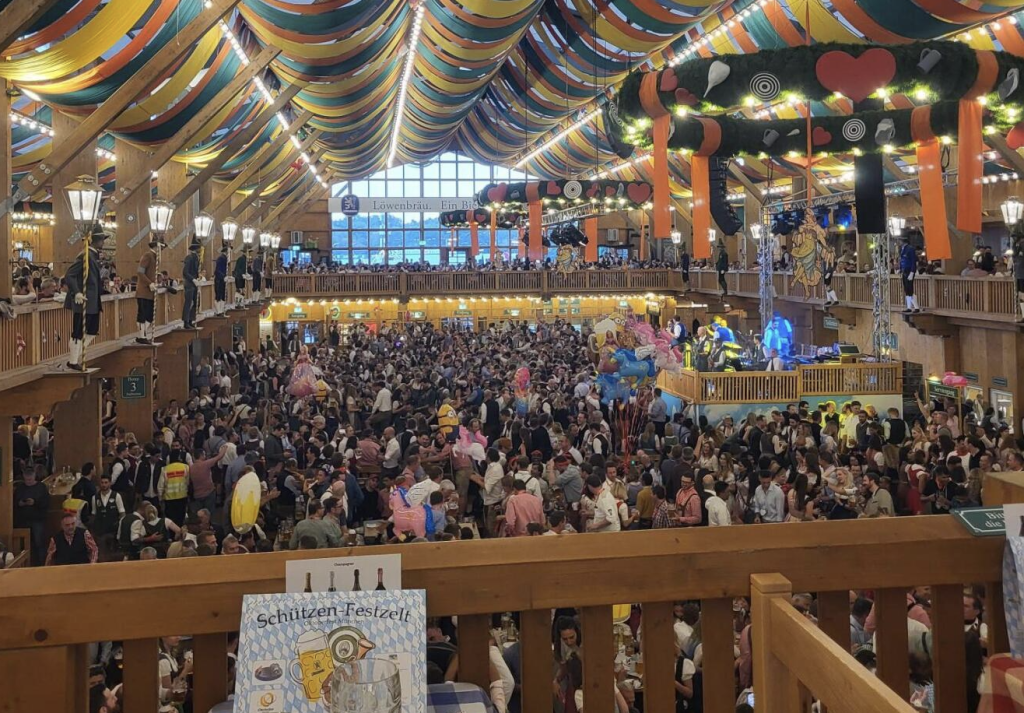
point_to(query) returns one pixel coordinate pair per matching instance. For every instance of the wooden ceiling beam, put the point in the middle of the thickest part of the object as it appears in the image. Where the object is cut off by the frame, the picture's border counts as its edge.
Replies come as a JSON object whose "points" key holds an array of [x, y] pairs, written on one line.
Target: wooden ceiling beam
{"points": [[18, 17], [270, 179]]}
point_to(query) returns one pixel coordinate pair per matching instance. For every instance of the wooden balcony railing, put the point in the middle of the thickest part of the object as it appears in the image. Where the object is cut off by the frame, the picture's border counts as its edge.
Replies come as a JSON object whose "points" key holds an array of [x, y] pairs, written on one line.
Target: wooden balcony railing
{"points": [[990, 298], [431, 284], [49, 615], [749, 387], [40, 332]]}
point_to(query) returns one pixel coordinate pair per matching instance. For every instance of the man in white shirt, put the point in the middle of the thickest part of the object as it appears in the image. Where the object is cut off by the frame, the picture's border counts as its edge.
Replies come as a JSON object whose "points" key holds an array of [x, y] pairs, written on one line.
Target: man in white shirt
{"points": [[523, 473], [718, 510], [775, 362], [606, 511], [380, 415], [420, 493], [392, 453], [493, 492], [769, 502]]}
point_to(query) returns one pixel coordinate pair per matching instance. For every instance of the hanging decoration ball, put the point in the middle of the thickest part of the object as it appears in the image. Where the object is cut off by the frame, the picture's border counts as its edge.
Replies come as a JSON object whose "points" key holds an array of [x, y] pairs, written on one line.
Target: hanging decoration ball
{"points": [[718, 72], [765, 86], [854, 130]]}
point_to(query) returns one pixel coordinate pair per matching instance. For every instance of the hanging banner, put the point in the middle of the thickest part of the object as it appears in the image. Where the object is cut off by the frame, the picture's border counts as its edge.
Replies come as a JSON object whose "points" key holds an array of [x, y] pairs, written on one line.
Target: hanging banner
{"points": [[298, 652], [933, 202], [700, 181], [662, 220], [970, 166]]}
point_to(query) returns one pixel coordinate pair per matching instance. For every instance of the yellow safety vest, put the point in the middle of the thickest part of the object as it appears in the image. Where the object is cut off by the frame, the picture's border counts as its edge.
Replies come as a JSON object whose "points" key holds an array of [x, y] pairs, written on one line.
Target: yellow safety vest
{"points": [[175, 481]]}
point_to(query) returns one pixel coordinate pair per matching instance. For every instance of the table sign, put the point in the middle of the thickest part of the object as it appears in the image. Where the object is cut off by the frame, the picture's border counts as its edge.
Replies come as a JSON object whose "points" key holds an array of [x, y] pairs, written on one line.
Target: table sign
{"points": [[296, 652], [344, 574], [982, 522]]}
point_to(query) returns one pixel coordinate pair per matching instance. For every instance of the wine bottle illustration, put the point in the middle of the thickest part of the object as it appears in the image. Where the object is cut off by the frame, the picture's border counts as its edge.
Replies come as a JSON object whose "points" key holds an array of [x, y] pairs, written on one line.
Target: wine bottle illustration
{"points": [[309, 582], [380, 580], [355, 584], [332, 588]]}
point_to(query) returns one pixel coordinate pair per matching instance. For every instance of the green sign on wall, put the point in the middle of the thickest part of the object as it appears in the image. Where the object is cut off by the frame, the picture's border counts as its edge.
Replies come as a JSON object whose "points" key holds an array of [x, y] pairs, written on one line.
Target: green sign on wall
{"points": [[133, 387], [937, 390], [982, 522], [830, 322]]}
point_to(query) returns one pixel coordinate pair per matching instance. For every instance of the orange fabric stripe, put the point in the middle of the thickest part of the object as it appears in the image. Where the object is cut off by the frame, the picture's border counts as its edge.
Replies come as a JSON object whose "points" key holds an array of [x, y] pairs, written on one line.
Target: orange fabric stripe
{"points": [[933, 202], [474, 238], [661, 225], [521, 245], [536, 248], [649, 95], [642, 247], [921, 124], [590, 230], [494, 233], [712, 136], [700, 183], [1009, 37], [988, 70], [969, 163]]}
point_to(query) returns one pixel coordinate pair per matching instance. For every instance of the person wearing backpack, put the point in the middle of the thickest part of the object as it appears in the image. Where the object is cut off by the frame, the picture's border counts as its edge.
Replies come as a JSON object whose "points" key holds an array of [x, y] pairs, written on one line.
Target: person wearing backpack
{"points": [[689, 508]]}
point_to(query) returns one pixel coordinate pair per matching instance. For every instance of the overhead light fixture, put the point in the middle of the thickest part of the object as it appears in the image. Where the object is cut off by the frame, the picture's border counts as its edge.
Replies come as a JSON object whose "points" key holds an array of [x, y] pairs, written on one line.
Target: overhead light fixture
{"points": [[204, 225], [1012, 210], [896, 225], [403, 92], [587, 118], [160, 214]]}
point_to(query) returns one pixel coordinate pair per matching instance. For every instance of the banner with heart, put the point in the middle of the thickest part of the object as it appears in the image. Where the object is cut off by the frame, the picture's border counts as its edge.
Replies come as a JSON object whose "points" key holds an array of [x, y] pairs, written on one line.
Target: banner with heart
{"points": [[821, 136]]}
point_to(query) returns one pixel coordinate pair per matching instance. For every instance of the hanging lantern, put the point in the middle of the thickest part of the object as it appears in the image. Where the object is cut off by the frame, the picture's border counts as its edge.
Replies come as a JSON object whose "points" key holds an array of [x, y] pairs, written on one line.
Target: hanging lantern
{"points": [[248, 234], [896, 225], [1012, 211], [676, 236], [265, 239], [755, 231], [228, 229], [85, 198], [204, 225], [275, 240], [160, 214]]}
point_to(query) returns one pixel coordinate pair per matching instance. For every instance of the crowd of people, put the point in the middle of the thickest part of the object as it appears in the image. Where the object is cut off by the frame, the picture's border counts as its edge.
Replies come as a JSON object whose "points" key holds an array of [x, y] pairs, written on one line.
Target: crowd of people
{"points": [[609, 261], [414, 433]]}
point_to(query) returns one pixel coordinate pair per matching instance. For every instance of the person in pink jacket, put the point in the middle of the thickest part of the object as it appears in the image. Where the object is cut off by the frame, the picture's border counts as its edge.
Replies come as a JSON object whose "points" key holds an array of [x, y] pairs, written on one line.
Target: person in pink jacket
{"points": [[407, 517]]}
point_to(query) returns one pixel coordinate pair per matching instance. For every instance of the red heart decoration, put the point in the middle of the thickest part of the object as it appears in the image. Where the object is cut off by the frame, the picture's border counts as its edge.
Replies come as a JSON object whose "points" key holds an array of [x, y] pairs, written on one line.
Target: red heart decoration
{"points": [[609, 191], [1015, 139], [856, 77], [685, 97], [669, 81], [821, 136], [594, 189], [481, 217], [497, 193], [638, 192], [553, 189]]}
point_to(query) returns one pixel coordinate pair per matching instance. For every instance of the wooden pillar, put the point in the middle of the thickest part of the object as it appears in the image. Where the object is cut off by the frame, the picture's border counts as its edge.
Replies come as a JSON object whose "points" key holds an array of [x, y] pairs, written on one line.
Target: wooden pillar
{"points": [[173, 363], [777, 688], [171, 178], [203, 197], [252, 329], [6, 479], [84, 164], [751, 216], [76, 427], [133, 214], [135, 415], [66, 688], [6, 160]]}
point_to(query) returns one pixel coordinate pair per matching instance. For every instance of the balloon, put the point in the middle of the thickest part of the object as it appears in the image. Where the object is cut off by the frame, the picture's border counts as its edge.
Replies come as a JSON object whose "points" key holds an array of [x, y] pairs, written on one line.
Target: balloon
{"points": [[951, 378], [447, 419], [523, 378], [245, 503]]}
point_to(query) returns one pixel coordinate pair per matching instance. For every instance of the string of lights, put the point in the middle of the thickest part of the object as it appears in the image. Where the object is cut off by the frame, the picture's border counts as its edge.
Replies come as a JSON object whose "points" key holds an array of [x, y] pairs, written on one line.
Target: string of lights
{"points": [[403, 92]]}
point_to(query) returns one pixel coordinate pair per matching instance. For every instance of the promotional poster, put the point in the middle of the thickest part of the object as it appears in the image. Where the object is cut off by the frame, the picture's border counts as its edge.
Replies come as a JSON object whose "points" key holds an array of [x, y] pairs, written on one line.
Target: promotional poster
{"points": [[332, 653]]}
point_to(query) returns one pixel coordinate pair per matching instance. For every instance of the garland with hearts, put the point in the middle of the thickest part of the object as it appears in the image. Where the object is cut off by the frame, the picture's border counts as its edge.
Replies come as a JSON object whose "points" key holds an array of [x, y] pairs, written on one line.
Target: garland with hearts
{"points": [[481, 218], [514, 196], [938, 71]]}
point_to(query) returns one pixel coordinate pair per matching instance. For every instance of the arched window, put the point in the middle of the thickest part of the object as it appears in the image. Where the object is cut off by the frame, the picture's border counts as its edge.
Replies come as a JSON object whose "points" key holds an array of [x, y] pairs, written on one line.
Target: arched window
{"points": [[391, 238]]}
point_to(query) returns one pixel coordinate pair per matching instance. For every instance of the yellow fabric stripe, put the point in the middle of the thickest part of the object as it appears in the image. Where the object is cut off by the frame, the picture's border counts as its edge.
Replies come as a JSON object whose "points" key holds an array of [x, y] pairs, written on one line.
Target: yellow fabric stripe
{"points": [[79, 49]]}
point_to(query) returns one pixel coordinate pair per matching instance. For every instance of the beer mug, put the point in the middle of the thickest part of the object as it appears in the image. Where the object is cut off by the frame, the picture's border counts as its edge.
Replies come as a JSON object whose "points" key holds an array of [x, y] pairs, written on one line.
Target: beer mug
{"points": [[365, 686], [313, 665]]}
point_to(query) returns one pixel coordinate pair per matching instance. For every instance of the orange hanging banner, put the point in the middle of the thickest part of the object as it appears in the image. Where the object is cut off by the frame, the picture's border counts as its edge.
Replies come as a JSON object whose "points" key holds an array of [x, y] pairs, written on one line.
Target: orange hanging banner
{"points": [[641, 253], [662, 220], [521, 245], [494, 233], [474, 238], [700, 183], [970, 166], [933, 202], [536, 248], [590, 230]]}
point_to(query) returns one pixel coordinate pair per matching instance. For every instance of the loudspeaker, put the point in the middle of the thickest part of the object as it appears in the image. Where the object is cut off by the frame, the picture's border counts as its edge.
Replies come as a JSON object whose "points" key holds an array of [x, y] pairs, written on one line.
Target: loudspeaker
{"points": [[721, 211], [869, 184]]}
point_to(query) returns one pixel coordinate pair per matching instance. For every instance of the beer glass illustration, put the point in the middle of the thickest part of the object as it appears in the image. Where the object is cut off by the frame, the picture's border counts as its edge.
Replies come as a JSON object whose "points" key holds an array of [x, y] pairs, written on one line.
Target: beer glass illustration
{"points": [[365, 686], [314, 663]]}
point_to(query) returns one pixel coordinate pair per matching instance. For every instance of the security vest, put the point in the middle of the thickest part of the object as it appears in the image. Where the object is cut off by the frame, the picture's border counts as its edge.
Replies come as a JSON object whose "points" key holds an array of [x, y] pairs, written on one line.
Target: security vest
{"points": [[175, 481]]}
